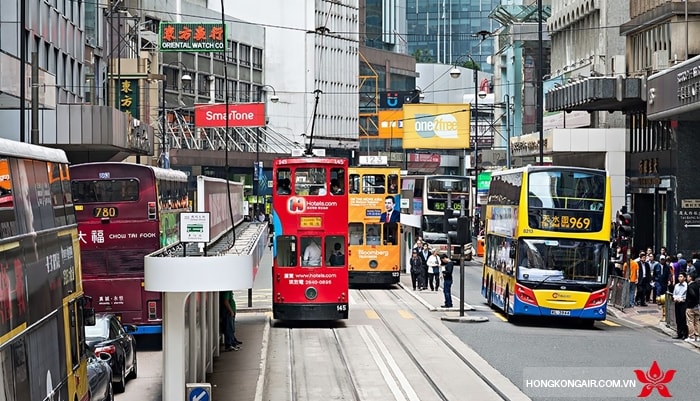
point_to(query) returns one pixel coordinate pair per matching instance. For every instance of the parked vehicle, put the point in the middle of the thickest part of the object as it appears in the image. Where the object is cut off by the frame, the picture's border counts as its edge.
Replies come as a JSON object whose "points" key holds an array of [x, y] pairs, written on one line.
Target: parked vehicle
{"points": [[108, 335], [100, 378]]}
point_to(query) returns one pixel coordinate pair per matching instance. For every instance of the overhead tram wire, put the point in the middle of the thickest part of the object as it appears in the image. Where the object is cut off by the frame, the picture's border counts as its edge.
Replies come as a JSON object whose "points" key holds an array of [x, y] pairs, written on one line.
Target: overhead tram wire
{"points": [[226, 164]]}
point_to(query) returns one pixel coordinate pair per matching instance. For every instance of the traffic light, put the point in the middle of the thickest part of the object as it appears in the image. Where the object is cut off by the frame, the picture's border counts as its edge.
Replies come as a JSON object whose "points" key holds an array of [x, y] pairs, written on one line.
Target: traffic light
{"points": [[463, 234], [624, 221], [448, 213]]}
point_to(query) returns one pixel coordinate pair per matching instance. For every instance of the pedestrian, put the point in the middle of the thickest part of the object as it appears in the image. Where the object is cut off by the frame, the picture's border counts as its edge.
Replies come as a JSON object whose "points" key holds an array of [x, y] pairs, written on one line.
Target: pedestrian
{"points": [[655, 267], [692, 305], [416, 268], [630, 271], [228, 318], [434, 271], [424, 254], [618, 260], [643, 279], [679, 293], [448, 268]]}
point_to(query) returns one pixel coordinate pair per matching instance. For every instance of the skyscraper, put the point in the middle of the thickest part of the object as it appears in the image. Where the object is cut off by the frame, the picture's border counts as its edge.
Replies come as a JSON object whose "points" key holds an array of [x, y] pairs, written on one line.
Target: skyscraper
{"points": [[442, 31]]}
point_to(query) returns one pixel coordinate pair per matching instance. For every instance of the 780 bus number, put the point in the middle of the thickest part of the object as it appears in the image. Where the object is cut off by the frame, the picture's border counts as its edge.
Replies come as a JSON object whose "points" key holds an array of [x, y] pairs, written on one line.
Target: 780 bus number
{"points": [[105, 212]]}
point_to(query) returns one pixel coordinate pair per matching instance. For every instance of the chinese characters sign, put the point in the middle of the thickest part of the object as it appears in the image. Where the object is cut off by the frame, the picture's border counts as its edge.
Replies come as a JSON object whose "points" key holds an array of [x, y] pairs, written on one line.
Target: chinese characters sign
{"points": [[128, 96], [192, 37]]}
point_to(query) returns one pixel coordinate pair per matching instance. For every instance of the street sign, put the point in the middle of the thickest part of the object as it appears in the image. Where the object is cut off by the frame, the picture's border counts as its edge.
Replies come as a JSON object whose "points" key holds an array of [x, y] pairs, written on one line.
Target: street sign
{"points": [[198, 391], [194, 227]]}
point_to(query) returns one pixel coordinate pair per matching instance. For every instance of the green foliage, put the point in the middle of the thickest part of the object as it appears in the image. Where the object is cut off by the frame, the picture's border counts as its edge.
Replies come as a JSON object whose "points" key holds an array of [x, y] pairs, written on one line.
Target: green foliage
{"points": [[422, 56]]}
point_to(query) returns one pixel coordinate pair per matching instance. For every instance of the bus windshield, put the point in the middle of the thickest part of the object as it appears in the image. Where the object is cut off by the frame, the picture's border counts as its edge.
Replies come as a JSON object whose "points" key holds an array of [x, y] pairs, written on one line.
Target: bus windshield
{"points": [[562, 260]]}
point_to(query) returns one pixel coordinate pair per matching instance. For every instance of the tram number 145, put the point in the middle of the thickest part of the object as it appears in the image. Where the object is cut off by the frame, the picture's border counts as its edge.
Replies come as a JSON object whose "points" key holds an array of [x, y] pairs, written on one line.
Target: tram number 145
{"points": [[341, 308]]}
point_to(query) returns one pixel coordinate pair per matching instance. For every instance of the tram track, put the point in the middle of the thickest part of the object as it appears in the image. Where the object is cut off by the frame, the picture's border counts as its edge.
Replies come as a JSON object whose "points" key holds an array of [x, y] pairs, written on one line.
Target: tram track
{"points": [[408, 349], [301, 388]]}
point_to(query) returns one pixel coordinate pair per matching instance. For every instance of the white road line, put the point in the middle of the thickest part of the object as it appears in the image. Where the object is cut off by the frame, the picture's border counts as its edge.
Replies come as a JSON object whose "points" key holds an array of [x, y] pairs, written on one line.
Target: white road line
{"points": [[388, 378], [398, 373]]}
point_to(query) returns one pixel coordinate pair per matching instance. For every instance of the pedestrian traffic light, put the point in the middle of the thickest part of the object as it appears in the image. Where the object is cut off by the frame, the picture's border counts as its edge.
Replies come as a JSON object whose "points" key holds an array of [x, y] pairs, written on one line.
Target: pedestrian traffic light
{"points": [[625, 229]]}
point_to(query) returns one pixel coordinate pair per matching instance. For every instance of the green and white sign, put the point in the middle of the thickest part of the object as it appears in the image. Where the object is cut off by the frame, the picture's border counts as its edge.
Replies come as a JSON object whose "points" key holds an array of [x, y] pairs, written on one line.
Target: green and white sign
{"points": [[194, 227]]}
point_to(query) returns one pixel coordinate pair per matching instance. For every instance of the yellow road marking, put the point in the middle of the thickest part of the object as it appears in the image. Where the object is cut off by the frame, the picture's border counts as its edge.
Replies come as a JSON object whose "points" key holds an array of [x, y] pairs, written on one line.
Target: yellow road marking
{"points": [[269, 314], [371, 314], [609, 323], [405, 314], [500, 316]]}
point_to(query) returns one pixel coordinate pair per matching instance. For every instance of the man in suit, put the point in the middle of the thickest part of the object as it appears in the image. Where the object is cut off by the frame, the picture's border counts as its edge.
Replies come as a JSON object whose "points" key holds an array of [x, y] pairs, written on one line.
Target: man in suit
{"points": [[643, 279], [390, 215]]}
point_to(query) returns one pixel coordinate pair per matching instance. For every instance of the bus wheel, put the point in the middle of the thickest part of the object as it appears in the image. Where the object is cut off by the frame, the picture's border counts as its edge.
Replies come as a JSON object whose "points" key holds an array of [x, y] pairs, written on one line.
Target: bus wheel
{"points": [[489, 296], [506, 308]]}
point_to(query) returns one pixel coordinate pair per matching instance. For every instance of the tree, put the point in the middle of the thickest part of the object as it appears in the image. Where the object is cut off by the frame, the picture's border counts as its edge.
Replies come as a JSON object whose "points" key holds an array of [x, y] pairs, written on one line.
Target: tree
{"points": [[422, 56]]}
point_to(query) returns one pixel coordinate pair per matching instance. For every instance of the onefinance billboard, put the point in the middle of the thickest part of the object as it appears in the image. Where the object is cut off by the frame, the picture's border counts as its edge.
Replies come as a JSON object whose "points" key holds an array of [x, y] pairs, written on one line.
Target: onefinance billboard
{"points": [[436, 126]]}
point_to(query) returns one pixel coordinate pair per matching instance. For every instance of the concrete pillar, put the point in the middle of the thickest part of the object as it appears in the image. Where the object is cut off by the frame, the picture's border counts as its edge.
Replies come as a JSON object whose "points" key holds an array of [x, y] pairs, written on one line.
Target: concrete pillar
{"points": [[174, 342]]}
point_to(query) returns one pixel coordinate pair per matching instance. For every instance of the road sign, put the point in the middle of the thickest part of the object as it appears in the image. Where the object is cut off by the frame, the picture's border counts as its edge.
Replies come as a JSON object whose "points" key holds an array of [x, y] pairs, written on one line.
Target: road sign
{"points": [[198, 391]]}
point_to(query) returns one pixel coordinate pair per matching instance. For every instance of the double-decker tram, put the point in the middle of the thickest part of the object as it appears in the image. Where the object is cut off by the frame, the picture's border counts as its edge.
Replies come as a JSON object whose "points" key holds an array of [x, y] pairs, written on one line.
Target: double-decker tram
{"points": [[429, 196], [374, 250], [43, 354], [310, 217], [126, 211], [547, 241]]}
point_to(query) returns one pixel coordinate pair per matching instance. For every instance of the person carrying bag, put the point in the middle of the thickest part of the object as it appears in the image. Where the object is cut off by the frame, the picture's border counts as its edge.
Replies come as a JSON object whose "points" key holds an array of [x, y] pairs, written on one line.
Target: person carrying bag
{"points": [[434, 271]]}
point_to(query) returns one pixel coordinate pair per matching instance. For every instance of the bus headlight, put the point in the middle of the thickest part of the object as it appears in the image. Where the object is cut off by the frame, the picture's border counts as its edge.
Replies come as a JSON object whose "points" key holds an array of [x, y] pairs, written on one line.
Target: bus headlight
{"points": [[373, 264], [311, 293]]}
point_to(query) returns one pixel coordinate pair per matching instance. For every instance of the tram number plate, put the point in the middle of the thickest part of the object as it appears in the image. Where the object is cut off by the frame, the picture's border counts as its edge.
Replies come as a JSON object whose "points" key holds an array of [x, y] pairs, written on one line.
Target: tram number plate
{"points": [[557, 312], [394, 274], [341, 308]]}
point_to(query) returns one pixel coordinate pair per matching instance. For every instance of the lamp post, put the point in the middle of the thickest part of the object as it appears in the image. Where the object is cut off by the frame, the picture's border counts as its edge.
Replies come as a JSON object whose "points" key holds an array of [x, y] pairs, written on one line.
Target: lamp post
{"points": [[456, 73], [257, 170], [164, 159], [506, 99]]}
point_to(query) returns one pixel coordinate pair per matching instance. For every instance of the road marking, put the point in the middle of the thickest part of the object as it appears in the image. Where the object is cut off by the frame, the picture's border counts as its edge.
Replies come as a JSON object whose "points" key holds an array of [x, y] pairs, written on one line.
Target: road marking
{"points": [[387, 365], [405, 314], [610, 323], [500, 316], [371, 314], [269, 314]]}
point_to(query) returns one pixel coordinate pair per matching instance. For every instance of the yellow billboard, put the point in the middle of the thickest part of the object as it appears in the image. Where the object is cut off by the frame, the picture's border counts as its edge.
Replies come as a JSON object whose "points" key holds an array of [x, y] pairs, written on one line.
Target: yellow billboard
{"points": [[390, 124], [436, 126]]}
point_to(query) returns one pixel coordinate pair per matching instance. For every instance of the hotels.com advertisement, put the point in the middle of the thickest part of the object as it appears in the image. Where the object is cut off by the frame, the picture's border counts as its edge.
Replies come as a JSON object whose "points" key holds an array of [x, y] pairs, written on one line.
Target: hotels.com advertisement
{"points": [[239, 115]]}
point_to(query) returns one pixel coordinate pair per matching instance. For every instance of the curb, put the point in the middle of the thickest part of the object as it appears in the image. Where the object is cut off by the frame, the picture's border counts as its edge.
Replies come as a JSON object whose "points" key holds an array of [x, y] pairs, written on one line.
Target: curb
{"points": [[263, 361], [429, 306], [465, 319]]}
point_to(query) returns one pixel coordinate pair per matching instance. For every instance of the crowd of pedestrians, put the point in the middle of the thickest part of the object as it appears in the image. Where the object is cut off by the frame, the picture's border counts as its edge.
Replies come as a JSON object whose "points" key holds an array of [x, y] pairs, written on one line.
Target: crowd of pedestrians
{"points": [[651, 275], [427, 266]]}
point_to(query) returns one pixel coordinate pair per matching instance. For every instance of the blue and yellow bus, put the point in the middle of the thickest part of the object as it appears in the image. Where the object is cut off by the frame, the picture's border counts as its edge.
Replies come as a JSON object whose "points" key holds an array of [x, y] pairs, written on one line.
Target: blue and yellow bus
{"points": [[547, 241]]}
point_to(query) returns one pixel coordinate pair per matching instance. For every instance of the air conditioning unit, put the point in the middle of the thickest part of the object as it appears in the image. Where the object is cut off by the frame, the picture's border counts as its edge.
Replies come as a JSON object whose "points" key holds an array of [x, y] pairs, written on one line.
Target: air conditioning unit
{"points": [[618, 65], [659, 60]]}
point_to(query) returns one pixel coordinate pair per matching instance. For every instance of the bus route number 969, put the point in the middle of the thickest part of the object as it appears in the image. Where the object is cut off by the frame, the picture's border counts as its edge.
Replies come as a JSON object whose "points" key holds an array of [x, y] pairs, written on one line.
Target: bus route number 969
{"points": [[105, 212]]}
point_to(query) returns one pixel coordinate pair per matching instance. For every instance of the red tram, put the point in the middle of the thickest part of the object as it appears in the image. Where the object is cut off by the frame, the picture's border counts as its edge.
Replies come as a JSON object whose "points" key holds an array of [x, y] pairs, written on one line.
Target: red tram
{"points": [[310, 217]]}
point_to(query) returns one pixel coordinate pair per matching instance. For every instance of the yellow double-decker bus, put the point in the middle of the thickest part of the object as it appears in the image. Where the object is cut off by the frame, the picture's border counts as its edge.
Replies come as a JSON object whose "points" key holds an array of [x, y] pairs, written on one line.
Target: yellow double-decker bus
{"points": [[43, 355], [374, 250], [547, 242]]}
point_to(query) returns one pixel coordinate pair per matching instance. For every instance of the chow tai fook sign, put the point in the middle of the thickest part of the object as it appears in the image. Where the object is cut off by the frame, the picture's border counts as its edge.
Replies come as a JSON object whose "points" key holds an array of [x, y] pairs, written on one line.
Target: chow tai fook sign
{"points": [[209, 115], [192, 37], [436, 126]]}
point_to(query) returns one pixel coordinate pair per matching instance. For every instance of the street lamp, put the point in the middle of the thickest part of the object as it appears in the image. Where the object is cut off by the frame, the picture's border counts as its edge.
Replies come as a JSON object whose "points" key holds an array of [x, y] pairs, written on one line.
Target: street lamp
{"points": [[257, 170], [456, 73], [164, 159]]}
